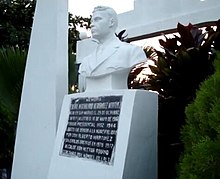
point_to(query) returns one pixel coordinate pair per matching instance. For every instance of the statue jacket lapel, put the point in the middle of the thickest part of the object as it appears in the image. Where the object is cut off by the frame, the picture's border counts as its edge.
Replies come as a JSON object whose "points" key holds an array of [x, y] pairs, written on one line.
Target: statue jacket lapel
{"points": [[107, 52]]}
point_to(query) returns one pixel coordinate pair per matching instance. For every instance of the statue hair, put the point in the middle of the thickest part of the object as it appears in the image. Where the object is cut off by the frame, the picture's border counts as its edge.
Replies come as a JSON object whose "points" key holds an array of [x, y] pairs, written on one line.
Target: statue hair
{"points": [[110, 11]]}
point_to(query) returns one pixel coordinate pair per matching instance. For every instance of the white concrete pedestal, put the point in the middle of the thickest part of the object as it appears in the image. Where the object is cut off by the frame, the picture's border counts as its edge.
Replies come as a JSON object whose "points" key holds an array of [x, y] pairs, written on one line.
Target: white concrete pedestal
{"points": [[135, 150], [45, 84]]}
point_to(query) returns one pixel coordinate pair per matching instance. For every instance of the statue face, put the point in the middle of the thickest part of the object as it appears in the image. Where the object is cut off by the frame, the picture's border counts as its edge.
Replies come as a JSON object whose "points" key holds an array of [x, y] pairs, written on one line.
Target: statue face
{"points": [[100, 25]]}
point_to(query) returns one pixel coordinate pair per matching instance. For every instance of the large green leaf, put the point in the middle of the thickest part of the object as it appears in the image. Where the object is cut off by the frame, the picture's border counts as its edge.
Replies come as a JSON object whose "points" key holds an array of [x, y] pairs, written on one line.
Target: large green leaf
{"points": [[12, 65]]}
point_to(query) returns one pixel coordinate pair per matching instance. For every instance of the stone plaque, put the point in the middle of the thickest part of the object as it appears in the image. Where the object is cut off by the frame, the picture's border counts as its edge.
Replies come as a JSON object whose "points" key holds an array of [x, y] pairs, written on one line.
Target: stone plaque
{"points": [[92, 128]]}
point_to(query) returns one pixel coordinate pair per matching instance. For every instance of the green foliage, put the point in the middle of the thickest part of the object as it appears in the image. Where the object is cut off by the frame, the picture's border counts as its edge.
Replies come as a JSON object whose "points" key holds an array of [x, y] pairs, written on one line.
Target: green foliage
{"points": [[134, 81], [121, 36], [74, 22], [186, 61], [177, 73], [12, 66], [72, 75], [16, 17], [201, 134]]}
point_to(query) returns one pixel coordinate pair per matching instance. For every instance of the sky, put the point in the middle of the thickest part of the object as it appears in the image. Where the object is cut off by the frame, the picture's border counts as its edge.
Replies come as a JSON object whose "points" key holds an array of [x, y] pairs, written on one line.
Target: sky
{"points": [[84, 7]]}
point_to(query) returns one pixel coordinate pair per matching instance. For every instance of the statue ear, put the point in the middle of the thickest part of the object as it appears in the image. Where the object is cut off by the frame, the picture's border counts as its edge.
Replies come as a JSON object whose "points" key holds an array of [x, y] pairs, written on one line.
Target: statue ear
{"points": [[112, 22]]}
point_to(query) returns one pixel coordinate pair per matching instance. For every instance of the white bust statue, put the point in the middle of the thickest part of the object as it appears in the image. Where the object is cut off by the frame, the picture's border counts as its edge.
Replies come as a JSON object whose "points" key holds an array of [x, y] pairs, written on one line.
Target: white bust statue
{"points": [[108, 67]]}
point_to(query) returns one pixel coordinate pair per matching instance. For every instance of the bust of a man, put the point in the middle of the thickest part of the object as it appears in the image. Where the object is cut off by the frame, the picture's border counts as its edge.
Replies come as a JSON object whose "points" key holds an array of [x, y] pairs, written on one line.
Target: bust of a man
{"points": [[109, 65]]}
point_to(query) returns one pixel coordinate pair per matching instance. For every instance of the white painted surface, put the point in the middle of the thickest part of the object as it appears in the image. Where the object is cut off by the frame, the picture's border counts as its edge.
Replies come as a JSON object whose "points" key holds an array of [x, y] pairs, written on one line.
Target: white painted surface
{"points": [[110, 63], [159, 15], [79, 8], [45, 85], [152, 16], [117, 80], [84, 48], [136, 143]]}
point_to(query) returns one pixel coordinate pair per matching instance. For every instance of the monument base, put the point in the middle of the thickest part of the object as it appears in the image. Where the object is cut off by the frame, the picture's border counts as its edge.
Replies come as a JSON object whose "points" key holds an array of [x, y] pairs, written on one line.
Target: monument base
{"points": [[107, 135]]}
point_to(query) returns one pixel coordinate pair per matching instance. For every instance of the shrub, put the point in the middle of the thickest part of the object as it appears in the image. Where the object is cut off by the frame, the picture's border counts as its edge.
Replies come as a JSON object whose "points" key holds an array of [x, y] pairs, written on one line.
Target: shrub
{"points": [[201, 134]]}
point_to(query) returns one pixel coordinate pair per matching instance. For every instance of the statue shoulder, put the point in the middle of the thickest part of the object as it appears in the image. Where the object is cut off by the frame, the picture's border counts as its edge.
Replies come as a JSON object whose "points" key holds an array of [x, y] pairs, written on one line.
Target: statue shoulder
{"points": [[87, 58], [131, 48]]}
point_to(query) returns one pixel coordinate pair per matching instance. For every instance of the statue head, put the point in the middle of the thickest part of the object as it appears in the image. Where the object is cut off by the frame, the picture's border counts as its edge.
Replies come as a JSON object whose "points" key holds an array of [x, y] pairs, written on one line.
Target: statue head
{"points": [[104, 22]]}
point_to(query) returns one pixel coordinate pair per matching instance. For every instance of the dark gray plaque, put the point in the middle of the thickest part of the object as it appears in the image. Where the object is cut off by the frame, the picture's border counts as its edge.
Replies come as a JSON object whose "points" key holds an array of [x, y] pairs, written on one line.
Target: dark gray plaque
{"points": [[92, 128]]}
